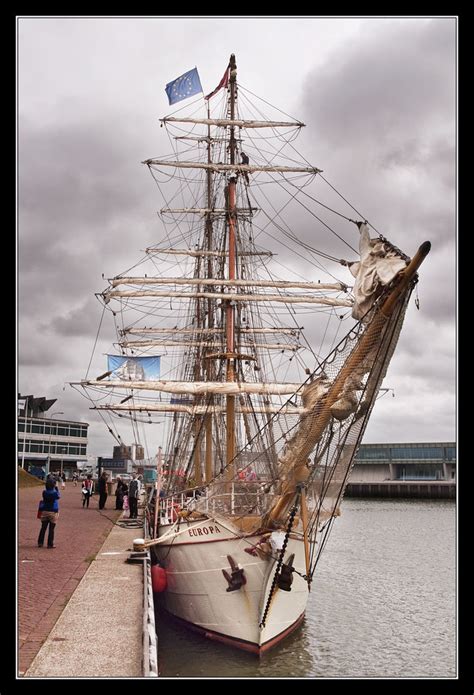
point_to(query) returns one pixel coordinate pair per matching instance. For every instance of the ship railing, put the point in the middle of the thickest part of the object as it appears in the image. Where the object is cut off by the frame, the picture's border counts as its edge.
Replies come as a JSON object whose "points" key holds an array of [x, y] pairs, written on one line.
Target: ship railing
{"points": [[171, 506], [228, 497], [240, 497]]}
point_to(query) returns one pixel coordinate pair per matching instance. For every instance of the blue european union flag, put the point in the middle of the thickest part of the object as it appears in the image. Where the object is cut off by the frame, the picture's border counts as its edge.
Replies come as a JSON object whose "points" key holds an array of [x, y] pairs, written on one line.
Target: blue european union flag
{"points": [[184, 86]]}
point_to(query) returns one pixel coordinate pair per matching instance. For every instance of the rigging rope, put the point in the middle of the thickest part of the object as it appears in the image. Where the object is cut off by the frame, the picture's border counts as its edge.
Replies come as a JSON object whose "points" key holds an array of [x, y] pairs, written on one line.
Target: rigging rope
{"points": [[96, 339], [350, 204]]}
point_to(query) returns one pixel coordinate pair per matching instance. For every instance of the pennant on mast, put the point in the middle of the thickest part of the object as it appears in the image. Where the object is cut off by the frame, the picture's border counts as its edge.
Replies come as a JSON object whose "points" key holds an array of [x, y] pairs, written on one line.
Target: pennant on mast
{"points": [[223, 83]]}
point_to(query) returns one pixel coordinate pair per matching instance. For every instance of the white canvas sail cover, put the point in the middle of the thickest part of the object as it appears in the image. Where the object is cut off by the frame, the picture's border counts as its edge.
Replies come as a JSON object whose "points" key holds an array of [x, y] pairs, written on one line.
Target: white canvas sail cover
{"points": [[378, 265], [202, 387]]}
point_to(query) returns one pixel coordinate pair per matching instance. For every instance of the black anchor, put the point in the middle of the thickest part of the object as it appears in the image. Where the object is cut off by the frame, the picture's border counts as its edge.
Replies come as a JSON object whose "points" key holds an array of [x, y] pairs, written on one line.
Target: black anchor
{"points": [[236, 579]]}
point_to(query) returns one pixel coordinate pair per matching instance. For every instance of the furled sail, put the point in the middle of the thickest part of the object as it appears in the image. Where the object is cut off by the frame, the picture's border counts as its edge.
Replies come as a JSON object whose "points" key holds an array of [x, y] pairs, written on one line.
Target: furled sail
{"points": [[379, 264], [202, 387]]}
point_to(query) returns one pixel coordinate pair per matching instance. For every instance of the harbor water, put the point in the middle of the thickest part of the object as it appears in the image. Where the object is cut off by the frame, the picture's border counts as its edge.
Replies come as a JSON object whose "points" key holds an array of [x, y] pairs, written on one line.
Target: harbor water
{"points": [[382, 605]]}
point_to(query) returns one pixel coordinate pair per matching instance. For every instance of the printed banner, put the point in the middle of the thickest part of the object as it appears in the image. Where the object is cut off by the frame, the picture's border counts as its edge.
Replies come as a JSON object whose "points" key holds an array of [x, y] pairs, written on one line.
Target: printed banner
{"points": [[133, 368]]}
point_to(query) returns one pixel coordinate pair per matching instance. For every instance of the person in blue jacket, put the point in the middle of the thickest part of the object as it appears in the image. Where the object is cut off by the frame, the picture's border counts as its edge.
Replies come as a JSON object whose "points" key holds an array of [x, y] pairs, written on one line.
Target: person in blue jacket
{"points": [[50, 513]]}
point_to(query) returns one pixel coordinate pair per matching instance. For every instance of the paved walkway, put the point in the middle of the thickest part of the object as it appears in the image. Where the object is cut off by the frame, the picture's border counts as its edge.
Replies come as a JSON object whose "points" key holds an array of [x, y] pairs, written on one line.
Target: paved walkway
{"points": [[47, 578], [99, 634]]}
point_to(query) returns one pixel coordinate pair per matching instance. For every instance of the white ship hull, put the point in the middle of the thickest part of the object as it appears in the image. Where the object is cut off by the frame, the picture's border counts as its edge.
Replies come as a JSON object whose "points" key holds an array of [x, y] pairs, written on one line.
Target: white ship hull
{"points": [[197, 588]]}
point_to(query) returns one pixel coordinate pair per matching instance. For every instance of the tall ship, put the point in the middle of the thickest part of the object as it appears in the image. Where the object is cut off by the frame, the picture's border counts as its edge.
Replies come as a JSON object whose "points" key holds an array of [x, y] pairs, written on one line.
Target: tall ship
{"points": [[255, 334]]}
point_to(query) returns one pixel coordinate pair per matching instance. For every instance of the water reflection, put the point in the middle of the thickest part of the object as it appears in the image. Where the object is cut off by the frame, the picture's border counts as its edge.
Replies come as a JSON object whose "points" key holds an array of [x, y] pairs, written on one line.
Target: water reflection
{"points": [[183, 654]]}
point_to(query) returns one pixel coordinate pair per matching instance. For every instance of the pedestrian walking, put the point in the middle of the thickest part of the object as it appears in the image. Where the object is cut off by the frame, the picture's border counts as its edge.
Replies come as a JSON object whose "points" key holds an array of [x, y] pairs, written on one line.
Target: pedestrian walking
{"points": [[74, 478], [103, 490], [50, 513], [133, 495], [87, 490], [63, 481]]}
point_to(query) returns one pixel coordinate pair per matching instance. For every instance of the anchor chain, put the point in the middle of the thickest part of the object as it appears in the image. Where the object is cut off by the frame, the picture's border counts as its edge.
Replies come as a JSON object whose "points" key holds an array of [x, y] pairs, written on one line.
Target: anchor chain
{"points": [[291, 519]]}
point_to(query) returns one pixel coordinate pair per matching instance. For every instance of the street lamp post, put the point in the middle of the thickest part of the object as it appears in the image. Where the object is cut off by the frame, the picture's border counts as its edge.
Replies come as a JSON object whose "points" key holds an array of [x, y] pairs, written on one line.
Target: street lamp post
{"points": [[25, 420], [62, 451], [48, 460]]}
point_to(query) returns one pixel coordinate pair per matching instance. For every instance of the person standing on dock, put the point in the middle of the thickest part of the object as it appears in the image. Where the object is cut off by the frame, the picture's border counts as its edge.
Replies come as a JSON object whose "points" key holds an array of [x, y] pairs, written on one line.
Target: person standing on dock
{"points": [[103, 490], [49, 515], [87, 490], [52, 478], [120, 491], [133, 494]]}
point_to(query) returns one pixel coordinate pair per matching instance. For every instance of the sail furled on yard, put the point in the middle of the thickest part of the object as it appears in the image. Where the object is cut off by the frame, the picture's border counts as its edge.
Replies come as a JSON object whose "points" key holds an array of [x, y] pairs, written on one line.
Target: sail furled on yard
{"points": [[378, 265]]}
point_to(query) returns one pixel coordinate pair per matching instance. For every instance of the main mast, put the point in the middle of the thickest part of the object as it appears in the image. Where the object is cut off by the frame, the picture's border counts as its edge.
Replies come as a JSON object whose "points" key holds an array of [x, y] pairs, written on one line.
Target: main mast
{"points": [[209, 364], [230, 311]]}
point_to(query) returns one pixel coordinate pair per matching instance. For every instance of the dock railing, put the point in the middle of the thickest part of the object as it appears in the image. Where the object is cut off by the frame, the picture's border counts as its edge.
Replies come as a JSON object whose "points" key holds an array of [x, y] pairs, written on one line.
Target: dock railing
{"points": [[149, 636], [150, 642]]}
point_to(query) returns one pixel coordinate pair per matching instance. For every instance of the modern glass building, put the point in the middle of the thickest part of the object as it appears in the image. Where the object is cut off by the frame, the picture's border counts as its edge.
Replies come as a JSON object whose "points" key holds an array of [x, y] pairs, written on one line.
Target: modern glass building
{"points": [[46, 442], [412, 461]]}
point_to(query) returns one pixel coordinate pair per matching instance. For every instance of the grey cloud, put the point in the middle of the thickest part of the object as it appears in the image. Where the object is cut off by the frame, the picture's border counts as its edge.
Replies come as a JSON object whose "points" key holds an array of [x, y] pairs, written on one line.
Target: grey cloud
{"points": [[81, 321], [384, 114], [437, 155], [80, 194], [388, 412], [381, 82], [35, 354], [76, 172]]}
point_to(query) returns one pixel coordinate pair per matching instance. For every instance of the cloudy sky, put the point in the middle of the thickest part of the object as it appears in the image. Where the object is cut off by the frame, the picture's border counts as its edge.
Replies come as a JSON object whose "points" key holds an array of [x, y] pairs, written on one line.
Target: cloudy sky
{"points": [[378, 96]]}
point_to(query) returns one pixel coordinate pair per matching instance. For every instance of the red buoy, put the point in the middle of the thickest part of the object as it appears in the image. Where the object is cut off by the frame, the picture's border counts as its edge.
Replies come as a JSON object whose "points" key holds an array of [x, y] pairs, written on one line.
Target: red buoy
{"points": [[158, 579]]}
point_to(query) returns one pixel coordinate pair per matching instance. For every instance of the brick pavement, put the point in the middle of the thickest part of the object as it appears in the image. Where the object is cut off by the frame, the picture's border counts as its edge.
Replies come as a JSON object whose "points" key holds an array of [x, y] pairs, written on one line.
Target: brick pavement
{"points": [[47, 578]]}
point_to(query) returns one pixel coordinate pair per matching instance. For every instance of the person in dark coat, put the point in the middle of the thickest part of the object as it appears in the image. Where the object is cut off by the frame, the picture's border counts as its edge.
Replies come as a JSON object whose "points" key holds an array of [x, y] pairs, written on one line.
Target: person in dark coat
{"points": [[120, 491], [245, 160], [102, 490], [133, 495], [49, 514]]}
